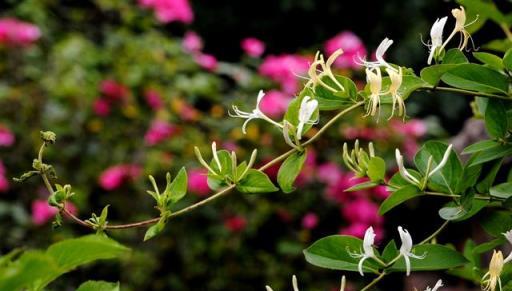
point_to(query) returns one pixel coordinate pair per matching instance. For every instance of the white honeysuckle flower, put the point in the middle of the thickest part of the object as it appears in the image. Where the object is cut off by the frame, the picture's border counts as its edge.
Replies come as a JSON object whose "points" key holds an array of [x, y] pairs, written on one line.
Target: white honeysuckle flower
{"points": [[315, 78], [405, 249], [396, 81], [268, 288], [368, 241], [287, 129], [508, 236], [306, 110], [492, 277], [443, 161], [460, 27], [436, 36], [215, 156], [379, 55], [438, 285], [294, 283], [255, 114], [374, 79], [343, 283], [403, 171]]}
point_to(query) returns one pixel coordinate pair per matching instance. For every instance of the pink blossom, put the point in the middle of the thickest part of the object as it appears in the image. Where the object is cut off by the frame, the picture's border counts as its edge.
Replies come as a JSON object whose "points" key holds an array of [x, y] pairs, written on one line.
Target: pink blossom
{"points": [[101, 107], [284, 69], [114, 176], [198, 182], [336, 191], [308, 170], [18, 33], [42, 212], [113, 90], [192, 42], [310, 220], [352, 46], [206, 61], [170, 10], [153, 99], [235, 223], [381, 192], [253, 46], [361, 210], [329, 173], [413, 128], [4, 183], [159, 131], [7, 138], [355, 229], [275, 103], [410, 147]]}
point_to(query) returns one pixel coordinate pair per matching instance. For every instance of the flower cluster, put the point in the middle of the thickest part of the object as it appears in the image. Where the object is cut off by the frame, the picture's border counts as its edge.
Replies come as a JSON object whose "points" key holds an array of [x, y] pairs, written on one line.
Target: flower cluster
{"points": [[14, 32], [170, 10]]}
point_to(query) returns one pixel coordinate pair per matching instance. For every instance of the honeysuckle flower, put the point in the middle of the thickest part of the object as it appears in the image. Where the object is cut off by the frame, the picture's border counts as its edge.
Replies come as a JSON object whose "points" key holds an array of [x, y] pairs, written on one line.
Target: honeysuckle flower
{"points": [[215, 158], [460, 27], [492, 277], [255, 114], [428, 172], [357, 159], [436, 36], [374, 79], [438, 285], [294, 284], [315, 76], [396, 82], [508, 236], [287, 129], [405, 249], [379, 55], [343, 283], [369, 239], [306, 111]]}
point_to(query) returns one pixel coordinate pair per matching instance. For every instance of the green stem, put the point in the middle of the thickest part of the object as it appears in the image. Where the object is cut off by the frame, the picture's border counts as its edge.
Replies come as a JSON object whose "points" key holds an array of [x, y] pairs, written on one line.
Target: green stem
{"points": [[215, 196], [466, 92], [477, 197], [374, 282], [435, 233]]}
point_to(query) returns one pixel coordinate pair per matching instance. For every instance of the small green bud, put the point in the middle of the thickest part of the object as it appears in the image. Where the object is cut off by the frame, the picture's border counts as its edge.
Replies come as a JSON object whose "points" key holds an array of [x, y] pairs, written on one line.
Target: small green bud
{"points": [[48, 136]]}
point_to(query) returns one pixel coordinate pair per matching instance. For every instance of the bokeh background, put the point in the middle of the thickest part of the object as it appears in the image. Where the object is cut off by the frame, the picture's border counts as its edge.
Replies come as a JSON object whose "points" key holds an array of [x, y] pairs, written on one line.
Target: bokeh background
{"points": [[131, 86]]}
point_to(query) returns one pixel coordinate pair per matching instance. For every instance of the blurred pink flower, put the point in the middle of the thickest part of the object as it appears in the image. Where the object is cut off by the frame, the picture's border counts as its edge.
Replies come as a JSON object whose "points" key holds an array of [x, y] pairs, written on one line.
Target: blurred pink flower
{"points": [[153, 99], [253, 46], [4, 183], [7, 138], [192, 42], [206, 61], [361, 211], [307, 174], [284, 69], [113, 90], [198, 182], [42, 212], [353, 49], [410, 147], [336, 190], [14, 32], [310, 220], [355, 229], [101, 107], [329, 173], [381, 192], [275, 103], [412, 128], [159, 131], [170, 10], [235, 223], [114, 176]]}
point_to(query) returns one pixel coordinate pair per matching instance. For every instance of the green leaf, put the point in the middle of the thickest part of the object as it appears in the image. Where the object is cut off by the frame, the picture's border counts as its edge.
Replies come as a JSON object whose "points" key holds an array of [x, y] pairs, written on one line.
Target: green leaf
{"points": [[491, 60], [28, 270], [475, 208], [497, 222], [398, 197], [499, 45], [445, 180], [454, 56], [178, 188], [255, 182], [332, 252], [479, 146], [156, 229], [217, 182], [376, 169], [490, 154], [452, 213], [99, 286], [469, 178], [437, 257], [433, 74], [290, 169], [390, 251], [503, 190], [496, 118], [328, 100], [507, 59], [490, 174], [486, 9], [362, 186], [476, 78]]}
